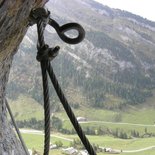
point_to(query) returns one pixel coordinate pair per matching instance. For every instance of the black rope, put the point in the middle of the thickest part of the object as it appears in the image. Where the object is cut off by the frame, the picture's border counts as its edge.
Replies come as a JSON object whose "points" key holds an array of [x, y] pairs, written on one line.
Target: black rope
{"points": [[46, 107], [43, 63], [40, 29], [16, 128], [69, 111], [45, 55]]}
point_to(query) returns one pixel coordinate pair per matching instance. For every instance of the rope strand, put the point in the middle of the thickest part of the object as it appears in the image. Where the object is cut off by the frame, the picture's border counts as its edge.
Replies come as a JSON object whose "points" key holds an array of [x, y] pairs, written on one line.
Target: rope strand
{"points": [[43, 55], [46, 107], [40, 30], [43, 64], [16, 128], [69, 111]]}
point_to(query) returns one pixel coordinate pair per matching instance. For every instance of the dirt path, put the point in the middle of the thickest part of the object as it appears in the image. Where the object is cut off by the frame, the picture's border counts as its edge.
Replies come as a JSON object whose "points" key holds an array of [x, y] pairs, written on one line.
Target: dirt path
{"points": [[36, 132], [139, 150], [104, 122]]}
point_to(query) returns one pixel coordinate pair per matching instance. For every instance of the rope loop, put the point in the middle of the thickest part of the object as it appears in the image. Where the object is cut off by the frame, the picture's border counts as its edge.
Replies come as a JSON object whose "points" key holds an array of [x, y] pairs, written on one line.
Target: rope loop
{"points": [[45, 54], [44, 15]]}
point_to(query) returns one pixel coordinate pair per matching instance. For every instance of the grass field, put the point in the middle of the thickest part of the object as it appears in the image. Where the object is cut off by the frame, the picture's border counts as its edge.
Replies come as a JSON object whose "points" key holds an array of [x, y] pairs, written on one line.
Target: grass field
{"points": [[25, 108], [36, 142], [112, 126]]}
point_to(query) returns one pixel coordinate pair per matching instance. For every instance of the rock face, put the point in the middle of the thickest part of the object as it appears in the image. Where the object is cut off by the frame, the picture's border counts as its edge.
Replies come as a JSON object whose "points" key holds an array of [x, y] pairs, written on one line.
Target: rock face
{"points": [[14, 15]]}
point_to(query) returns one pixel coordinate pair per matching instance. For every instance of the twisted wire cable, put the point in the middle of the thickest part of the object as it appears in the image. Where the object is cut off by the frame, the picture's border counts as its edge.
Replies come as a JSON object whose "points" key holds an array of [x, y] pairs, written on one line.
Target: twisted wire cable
{"points": [[46, 107], [16, 128], [46, 67], [40, 30], [41, 44], [69, 111]]}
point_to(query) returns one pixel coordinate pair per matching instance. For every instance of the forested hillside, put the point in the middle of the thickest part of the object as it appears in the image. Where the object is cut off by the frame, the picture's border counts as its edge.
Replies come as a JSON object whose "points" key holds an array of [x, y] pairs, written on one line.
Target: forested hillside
{"points": [[113, 67]]}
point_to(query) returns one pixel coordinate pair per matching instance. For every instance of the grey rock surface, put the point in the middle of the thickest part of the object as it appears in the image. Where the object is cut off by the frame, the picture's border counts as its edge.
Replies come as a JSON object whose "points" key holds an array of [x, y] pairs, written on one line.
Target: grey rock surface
{"points": [[14, 18]]}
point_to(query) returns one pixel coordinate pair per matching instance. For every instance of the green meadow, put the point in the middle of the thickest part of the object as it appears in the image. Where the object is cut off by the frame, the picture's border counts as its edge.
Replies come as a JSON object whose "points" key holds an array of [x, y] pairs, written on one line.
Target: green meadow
{"points": [[34, 141], [135, 118]]}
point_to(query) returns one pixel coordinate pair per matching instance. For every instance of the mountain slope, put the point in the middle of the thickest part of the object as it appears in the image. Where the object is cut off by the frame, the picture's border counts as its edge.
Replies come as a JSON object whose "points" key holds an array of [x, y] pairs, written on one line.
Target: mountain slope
{"points": [[116, 60]]}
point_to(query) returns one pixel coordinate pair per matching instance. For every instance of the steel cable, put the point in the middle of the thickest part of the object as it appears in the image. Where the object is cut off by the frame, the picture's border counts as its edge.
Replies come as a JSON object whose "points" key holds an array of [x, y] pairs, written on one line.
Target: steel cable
{"points": [[16, 127], [44, 57], [41, 44], [46, 107], [69, 111]]}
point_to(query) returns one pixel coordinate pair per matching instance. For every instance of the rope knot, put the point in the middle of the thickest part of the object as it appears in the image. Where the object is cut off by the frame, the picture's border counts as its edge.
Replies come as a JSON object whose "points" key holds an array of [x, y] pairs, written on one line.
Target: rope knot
{"points": [[39, 14], [45, 53]]}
